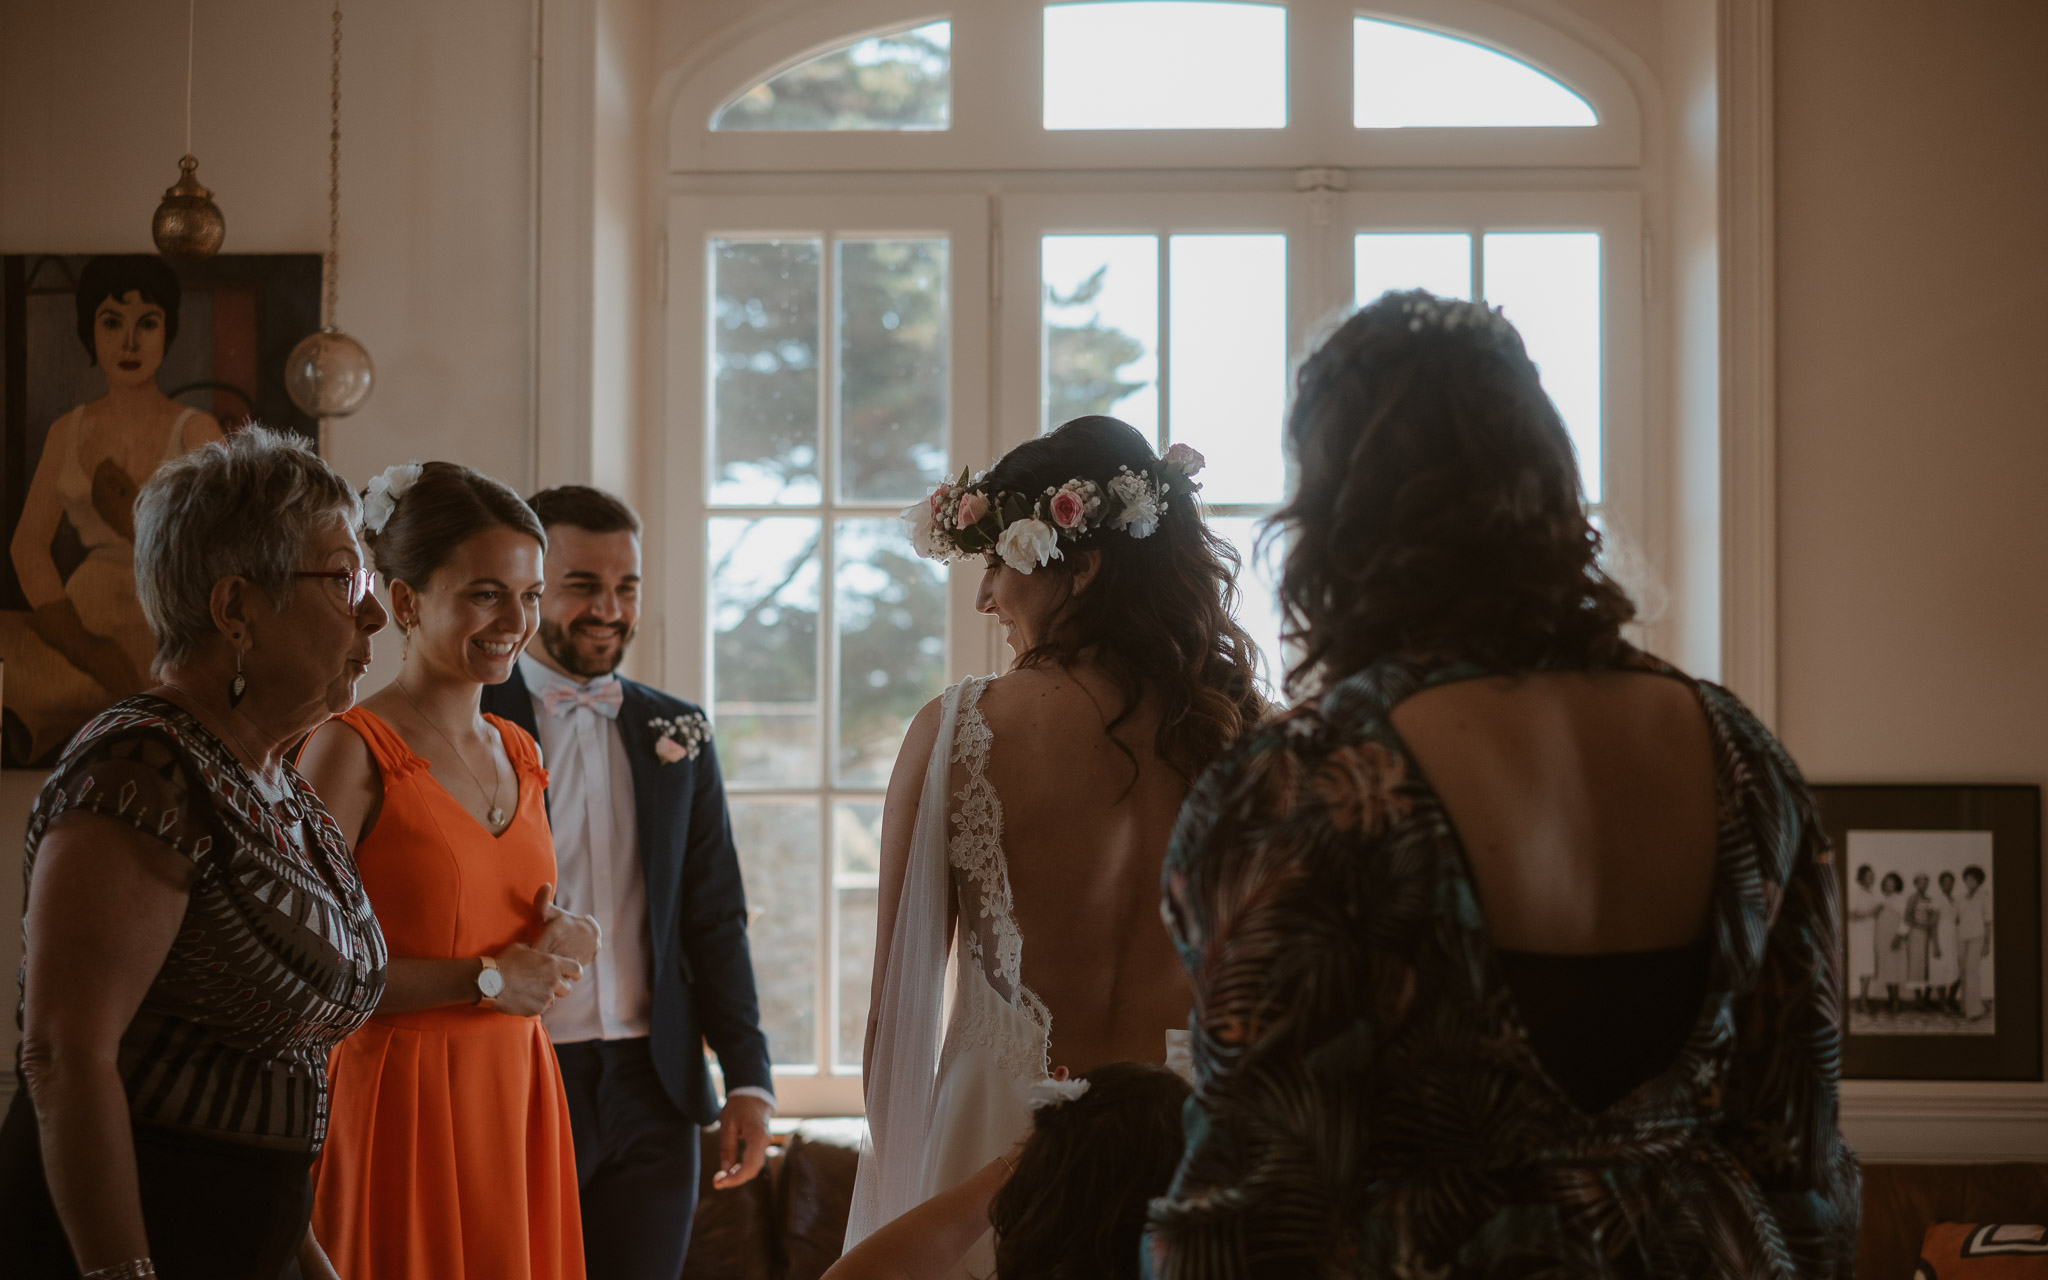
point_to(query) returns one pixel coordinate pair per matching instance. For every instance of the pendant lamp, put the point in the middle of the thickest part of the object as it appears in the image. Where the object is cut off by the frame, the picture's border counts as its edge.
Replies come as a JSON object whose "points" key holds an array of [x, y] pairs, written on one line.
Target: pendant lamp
{"points": [[188, 224], [329, 374]]}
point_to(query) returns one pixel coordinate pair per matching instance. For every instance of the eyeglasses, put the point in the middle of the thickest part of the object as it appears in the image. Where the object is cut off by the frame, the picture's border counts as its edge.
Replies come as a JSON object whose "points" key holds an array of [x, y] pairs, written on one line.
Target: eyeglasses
{"points": [[356, 582]]}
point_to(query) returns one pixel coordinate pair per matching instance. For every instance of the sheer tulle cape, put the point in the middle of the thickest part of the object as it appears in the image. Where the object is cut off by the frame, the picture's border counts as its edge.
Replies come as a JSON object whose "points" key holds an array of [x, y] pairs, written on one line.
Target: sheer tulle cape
{"points": [[910, 1018]]}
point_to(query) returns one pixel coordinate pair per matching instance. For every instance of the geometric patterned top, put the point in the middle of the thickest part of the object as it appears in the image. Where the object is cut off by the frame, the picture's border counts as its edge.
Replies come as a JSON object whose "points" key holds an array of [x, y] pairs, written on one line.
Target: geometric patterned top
{"points": [[279, 957], [1367, 1101]]}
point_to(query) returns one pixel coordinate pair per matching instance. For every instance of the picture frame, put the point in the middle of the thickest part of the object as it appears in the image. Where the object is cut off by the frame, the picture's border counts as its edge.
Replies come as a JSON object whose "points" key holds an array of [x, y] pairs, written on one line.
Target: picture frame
{"points": [[195, 349], [1939, 984]]}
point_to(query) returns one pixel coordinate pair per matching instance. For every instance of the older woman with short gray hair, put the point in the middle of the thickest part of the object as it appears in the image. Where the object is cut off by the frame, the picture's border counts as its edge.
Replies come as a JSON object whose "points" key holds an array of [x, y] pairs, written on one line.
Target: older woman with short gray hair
{"points": [[197, 936]]}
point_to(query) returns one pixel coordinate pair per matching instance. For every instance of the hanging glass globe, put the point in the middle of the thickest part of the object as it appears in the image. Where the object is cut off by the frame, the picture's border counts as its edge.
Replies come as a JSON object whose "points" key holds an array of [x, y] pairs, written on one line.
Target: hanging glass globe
{"points": [[329, 374], [188, 224]]}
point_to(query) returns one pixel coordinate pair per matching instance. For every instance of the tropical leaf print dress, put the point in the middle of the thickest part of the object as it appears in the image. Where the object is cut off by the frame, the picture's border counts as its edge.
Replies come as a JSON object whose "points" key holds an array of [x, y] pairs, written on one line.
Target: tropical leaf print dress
{"points": [[1367, 1102]]}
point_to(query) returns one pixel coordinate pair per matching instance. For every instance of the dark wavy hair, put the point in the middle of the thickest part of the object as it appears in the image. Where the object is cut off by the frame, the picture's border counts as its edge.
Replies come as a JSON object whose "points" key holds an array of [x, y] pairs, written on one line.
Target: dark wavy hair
{"points": [[1074, 1208], [1438, 509], [1159, 613]]}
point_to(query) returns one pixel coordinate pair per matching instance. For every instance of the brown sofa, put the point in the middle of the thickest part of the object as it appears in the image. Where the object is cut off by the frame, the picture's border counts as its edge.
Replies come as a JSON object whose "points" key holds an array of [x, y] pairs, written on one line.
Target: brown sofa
{"points": [[788, 1224]]}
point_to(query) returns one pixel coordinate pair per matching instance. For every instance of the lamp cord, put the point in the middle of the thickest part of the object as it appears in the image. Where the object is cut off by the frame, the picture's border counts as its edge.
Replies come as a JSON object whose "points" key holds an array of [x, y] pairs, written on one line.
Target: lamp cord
{"points": [[191, 17], [329, 285]]}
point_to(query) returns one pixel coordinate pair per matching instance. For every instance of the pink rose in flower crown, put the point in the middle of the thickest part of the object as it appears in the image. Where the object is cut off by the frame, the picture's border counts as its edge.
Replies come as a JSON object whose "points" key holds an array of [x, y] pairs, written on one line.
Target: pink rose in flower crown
{"points": [[1067, 509], [1184, 459], [972, 508], [938, 504], [669, 750]]}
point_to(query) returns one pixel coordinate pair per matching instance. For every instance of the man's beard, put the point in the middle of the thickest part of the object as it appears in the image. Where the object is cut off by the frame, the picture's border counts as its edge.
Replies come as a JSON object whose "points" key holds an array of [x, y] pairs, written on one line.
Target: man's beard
{"points": [[560, 645]]}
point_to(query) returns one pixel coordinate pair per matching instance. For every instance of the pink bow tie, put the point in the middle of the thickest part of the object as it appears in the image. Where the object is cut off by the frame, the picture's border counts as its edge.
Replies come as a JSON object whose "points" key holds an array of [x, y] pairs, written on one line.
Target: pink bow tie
{"points": [[605, 699]]}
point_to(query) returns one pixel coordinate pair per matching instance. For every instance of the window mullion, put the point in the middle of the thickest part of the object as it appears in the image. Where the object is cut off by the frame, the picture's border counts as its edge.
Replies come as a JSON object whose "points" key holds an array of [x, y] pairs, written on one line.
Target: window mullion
{"points": [[828, 652]]}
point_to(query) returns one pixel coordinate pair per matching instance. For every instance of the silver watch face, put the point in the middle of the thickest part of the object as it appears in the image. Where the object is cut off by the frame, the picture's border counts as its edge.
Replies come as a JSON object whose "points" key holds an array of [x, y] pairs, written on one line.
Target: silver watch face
{"points": [[491, 983]]}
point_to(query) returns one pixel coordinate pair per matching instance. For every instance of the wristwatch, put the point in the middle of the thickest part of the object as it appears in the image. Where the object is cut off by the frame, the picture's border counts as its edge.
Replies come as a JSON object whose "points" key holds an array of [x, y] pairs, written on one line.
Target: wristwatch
{"points": [[490, 982]]}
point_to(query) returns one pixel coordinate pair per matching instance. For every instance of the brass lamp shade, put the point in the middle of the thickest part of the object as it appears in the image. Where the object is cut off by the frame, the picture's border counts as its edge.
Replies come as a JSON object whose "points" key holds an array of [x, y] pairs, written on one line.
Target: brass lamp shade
{"points": [[329, 374], [188, 224]]}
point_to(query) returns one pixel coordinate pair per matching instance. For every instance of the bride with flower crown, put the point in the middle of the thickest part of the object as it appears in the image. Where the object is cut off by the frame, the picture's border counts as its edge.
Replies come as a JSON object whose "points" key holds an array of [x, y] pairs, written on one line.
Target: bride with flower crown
{"points": [[1027, 819]]}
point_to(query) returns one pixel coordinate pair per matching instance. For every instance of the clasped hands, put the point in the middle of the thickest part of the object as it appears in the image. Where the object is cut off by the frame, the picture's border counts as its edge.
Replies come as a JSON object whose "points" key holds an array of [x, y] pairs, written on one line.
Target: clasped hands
{"points": [[538, 975]]}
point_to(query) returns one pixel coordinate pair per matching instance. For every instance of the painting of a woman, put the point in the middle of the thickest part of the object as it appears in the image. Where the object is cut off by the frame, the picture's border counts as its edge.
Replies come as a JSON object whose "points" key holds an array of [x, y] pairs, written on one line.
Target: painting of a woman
{"points": [[83, 643]]}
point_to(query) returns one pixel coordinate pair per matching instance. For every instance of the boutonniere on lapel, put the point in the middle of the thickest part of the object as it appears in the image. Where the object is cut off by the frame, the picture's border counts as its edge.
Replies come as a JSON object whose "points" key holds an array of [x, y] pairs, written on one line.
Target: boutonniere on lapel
{"points": [[680, 737]]}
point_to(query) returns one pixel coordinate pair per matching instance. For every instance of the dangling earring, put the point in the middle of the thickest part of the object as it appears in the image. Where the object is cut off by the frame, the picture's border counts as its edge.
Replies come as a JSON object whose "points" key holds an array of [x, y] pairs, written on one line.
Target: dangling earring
{"points": [[405, 645], [240, 684]]}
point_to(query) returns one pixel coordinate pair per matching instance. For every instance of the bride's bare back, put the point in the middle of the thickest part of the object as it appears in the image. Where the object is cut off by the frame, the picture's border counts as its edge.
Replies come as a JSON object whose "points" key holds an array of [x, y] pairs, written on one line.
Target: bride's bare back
{"points": [[1084, 847], [1085, 844]]}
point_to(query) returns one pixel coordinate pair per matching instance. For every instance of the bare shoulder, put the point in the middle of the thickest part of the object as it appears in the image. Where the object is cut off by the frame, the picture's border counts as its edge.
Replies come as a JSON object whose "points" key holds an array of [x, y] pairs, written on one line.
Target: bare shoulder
{"points": [[1033, 700], [336, 753]]}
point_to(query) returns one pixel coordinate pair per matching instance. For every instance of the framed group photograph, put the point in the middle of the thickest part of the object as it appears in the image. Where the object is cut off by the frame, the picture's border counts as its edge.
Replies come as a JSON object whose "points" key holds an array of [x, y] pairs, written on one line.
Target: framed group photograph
{"points": [[1941, 906], [110, 366]]}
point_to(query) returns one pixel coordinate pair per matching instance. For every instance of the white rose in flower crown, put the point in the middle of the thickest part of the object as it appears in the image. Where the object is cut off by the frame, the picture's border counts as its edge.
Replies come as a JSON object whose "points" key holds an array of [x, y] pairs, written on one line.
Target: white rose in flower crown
{"points": [[380, 497], [1028, 544], [1140, 514], [923, 530]]}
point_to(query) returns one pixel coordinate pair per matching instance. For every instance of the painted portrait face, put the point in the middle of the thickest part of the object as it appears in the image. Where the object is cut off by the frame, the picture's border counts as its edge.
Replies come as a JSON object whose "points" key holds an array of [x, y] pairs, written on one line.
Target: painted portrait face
{"points": [[1865, 877], [128, 339], [1948, 882], [1920, 883]]}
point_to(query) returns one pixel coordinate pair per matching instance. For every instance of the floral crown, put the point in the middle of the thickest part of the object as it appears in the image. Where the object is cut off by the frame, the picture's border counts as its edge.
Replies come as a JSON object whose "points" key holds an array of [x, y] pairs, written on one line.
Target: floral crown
{"points": [[969, 517]]}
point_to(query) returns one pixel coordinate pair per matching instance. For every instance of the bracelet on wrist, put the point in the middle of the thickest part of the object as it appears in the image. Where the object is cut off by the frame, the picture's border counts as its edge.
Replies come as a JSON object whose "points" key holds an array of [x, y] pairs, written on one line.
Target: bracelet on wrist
{"points": [[134, 1269]]}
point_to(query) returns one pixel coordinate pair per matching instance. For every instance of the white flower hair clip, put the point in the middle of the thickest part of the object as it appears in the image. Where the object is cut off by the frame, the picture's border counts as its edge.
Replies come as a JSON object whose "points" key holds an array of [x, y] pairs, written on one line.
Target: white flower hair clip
{"points": [[1050, 1092], [381, 497]]}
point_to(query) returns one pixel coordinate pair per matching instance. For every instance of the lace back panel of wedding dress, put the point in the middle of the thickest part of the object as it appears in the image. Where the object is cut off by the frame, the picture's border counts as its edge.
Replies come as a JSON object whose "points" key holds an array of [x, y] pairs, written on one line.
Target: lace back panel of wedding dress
{"points": [[940, 1109]]}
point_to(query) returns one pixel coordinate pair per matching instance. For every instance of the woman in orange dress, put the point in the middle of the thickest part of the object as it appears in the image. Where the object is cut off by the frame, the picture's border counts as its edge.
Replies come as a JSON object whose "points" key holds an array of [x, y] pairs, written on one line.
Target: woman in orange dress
{"points": [[449, 1151]]}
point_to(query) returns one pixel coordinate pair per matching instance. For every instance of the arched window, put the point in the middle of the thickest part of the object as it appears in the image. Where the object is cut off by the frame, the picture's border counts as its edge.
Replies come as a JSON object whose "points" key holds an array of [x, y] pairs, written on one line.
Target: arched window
{"points": [[901, 240], [898, 80]]}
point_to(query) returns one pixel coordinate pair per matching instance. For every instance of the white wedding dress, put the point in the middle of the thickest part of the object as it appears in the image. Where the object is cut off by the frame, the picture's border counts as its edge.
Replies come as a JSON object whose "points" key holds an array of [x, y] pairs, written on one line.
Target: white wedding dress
{"points": [[946, 1095]]}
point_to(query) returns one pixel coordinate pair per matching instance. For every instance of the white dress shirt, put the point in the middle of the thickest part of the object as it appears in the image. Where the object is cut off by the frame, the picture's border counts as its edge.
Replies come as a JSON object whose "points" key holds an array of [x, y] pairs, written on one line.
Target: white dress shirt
{"points": [[597, 861], [597, 865]]}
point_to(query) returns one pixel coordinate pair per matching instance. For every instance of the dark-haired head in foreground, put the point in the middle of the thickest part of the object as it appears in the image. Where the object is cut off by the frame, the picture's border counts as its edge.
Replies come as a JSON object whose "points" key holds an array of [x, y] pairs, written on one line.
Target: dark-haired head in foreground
{"points": [[1075, 1206], [1438, 509]]}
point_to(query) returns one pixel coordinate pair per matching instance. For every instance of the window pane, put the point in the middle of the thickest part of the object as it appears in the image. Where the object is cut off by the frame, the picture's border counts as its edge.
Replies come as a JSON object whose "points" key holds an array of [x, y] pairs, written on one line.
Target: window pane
{"points": [[892, 368], [903, 80], [1436, 261], [778, 844], [1165, 64], [1258, 588], [764, 349], [1227, 376], [1548, 285], [856, 872], [892, 643], [1405, 78], [764, 650], [1101, 337]]}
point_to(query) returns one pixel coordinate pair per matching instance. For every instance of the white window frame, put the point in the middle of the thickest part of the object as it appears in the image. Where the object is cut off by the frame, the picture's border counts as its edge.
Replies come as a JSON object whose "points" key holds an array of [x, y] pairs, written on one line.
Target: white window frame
{"points": [[998, 170], [693, 222]]}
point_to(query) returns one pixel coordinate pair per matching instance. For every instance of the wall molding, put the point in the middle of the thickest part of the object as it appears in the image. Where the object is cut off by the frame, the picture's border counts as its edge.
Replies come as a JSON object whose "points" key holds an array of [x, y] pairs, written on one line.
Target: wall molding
{"points": [[1945, 1122], [1749, 357]]}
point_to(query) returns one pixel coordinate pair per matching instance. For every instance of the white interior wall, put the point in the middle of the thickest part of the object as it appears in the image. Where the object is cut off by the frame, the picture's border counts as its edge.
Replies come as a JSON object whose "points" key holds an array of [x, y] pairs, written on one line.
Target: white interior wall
{"points": [[1912, 461]]}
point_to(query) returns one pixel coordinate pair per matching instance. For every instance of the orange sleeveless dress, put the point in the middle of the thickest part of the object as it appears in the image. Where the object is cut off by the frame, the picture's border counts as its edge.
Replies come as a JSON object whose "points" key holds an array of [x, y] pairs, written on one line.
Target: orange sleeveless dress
{"points": [[448, 1151]]}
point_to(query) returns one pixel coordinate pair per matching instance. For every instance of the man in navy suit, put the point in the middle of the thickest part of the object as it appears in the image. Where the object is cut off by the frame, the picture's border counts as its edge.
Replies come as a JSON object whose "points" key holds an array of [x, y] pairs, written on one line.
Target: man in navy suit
{"points": [[642, 843]]}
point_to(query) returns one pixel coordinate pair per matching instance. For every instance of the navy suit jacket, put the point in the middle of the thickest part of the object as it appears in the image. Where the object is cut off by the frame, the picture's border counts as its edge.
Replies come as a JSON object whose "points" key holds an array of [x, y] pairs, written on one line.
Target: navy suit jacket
{"points": [[703, 979]]}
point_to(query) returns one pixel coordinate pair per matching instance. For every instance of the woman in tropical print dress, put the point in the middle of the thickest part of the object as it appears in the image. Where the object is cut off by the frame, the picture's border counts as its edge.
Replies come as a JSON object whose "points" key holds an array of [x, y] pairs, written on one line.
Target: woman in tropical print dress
{"points": [[1515, 950]]}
